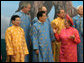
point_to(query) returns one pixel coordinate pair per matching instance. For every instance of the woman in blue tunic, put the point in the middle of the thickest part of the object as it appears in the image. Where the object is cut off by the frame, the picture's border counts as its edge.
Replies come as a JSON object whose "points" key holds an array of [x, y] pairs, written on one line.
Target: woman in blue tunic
{"points": [[78, 23], [42, 51]]}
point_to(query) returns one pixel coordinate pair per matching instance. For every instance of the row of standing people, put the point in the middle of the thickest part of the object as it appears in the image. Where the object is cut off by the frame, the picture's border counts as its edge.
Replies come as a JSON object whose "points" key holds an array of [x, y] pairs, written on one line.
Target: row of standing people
{"points": [[42, 49]]}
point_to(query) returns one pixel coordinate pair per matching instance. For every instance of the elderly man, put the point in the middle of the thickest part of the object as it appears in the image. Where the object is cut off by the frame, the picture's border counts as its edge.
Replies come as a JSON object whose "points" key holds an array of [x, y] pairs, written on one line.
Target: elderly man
{"points": [[23, 12], [78, 23]]}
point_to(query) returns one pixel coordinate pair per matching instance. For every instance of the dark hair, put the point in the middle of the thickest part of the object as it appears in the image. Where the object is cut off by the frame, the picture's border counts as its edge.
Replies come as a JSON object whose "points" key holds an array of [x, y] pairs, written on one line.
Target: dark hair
{"points": [[14, 17], [58, 11], [40, 14]]}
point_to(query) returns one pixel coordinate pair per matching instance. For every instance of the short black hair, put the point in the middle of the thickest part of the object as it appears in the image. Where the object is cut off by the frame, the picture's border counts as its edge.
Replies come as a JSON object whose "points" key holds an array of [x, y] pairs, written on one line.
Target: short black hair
{"points": [[40, 14], [14, 17]]}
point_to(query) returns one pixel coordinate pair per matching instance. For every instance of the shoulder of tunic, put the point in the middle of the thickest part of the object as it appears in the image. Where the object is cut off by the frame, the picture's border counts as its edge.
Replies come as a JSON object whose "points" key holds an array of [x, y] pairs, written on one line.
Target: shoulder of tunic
{"points": [[35, 24], [76, 17], [21, 29], [9, 29], [74, 29], [19, 14], [35, 19], [54, 20]]}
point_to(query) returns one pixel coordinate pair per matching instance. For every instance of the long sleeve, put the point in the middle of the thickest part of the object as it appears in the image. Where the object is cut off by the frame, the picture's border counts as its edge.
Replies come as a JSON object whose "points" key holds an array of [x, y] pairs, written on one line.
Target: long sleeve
{"points": [[51, 14], [34, 37], [8, 40], [82, 27], [77, 37], [74, 21], [51, 31], [52, 35], [24, 44]]}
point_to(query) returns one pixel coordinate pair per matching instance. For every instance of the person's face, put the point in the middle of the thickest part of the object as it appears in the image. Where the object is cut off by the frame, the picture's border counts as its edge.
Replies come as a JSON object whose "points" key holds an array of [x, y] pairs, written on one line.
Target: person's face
{"points": [[44, 9], [80, 10], [17, 22], [28, 8], [67, 25], [61, 14], [43, 18]]}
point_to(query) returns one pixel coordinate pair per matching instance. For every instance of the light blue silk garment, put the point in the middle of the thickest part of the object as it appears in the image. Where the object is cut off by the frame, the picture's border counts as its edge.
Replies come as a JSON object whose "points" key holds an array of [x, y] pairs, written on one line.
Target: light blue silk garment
{"points": [[50, 18], [40, 36], [26, 25], [51, 14], [78, 24]]}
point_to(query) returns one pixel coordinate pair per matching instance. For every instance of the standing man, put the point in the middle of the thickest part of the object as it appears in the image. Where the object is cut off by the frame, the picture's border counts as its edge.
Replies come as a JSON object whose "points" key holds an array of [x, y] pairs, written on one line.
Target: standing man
{"points": [[59, 21], [23, 12], [42, 51], [16, 46], [43, 8], [78, 23], [52, 37]]}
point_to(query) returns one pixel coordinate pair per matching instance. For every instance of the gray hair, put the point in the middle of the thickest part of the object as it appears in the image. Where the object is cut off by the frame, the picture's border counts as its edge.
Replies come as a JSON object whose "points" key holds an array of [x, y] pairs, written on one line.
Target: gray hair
{"points": [[22, 4], [79, 7]]}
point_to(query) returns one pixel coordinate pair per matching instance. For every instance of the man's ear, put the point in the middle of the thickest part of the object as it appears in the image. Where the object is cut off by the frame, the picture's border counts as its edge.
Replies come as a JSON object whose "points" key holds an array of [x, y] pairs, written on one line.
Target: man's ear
{"points": [[12, 21], [39, 17], [57, 14]]}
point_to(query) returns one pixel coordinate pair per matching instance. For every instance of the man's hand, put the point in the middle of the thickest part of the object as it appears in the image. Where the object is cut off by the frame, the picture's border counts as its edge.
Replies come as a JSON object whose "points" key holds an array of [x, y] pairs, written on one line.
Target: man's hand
{"points": [[72, 37], [55, 30], [8, 58], [37, 51]]}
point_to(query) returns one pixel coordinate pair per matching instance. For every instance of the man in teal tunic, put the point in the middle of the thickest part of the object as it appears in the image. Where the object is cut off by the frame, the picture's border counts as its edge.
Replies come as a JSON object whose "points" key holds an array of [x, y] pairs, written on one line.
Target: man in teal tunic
{"points": [[48, 20], [23, 12], [42, 50], [78, 23]]}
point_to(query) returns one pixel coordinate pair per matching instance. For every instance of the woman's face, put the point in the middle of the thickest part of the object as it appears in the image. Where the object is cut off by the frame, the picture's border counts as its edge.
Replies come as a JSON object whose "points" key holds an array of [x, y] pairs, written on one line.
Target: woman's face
{"points": [[67, 25]]}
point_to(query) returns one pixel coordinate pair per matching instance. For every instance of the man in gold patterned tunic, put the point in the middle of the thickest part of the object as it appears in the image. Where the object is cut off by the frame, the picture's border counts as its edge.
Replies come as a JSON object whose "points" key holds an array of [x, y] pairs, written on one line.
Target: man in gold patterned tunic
{"points": [[16, 47], [58, 23]]}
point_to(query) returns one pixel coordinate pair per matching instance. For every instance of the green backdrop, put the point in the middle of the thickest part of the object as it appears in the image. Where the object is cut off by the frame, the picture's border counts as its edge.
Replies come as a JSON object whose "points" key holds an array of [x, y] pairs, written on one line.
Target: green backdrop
{"points": [[3, 50]]}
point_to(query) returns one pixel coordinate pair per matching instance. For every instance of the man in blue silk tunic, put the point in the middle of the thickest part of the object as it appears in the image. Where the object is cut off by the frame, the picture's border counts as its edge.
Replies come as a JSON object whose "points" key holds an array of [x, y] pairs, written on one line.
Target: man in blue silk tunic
{"points": [[40, 35], [48, 20], [78, 24]]}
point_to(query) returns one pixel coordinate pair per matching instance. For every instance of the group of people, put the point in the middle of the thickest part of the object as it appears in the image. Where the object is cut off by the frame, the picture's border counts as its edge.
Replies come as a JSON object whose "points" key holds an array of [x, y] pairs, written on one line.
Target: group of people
{"points": [[42, 40]]}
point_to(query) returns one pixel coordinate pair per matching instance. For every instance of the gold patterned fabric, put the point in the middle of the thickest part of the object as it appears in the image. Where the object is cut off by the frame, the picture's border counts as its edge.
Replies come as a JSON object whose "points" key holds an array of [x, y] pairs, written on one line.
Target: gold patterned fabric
{"points": [[57, 23], [15, 44]]}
